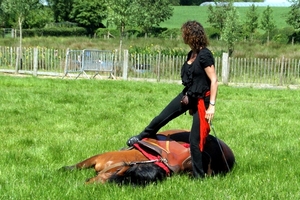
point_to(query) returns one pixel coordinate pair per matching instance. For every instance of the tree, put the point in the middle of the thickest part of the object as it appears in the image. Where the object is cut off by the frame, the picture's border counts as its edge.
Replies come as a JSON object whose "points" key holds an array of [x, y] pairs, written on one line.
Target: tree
{"points": [[20, 9], [217, 15], [61, 9], [89, 14], [190, 2], [141, 13], [174, 2], [251, 23], [121, 13], [38, 18], [267, 21], [3, 16], [153, 13], [231, 28], [144, 13], [293, 17]]}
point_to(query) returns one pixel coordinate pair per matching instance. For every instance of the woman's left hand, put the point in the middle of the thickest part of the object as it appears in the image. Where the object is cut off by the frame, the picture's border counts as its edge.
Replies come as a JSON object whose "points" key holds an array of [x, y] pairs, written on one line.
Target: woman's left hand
{"points": [[210, 113]]}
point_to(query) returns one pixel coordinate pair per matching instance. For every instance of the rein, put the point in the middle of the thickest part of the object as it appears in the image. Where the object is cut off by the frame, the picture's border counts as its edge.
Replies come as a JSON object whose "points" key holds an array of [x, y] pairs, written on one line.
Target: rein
{"points": [[224, 157]]}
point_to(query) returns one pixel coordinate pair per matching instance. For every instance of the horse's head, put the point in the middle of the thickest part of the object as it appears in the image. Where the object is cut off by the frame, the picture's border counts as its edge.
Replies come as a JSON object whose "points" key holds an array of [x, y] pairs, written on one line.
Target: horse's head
{"points": [[217, 155]]}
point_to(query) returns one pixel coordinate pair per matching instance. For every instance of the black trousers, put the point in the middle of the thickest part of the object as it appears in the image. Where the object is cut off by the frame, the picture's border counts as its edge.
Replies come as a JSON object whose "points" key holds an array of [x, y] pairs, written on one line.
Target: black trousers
{"points": [[173, 110]]}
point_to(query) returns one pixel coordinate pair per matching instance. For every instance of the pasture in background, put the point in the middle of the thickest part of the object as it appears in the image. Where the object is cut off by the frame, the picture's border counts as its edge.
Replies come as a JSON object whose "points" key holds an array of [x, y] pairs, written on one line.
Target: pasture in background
{"points": [[48, 123], [200, 13]]}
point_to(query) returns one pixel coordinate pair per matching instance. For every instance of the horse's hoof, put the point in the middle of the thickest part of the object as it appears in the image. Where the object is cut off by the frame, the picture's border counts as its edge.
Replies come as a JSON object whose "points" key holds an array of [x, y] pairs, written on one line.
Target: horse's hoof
{"points": [[87, 180]]}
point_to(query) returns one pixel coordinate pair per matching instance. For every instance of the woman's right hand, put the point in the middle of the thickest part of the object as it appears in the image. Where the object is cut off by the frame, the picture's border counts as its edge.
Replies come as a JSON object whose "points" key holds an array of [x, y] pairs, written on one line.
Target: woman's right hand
{"points": [[210, 112]]}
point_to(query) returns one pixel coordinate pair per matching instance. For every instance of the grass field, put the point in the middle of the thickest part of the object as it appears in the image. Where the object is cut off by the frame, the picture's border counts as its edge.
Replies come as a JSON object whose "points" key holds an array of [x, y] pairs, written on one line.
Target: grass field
{"points": [[200, 13], [48, 123]]}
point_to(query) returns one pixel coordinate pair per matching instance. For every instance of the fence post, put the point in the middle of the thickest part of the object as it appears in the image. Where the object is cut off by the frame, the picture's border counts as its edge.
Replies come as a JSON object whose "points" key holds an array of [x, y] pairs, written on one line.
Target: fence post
{"points": [[225, 68], [158, 67], [17, 60], [66, 62], [125, 65], [35, 61], [281, 71]]}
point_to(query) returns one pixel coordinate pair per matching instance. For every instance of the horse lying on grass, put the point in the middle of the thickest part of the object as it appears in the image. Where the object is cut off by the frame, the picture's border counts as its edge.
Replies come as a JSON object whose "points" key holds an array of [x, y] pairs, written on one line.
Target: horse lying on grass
{"points": [[152, 160]]}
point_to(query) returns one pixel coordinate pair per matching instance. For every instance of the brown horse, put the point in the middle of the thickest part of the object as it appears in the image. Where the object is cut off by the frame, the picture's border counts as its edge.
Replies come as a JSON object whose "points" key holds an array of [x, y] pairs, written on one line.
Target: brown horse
{"points": [[162, 157]]}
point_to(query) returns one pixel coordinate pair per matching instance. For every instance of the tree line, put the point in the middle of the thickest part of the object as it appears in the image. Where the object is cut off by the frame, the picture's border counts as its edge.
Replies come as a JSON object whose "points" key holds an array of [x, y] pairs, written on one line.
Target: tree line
{"points": [[225, 19], [89, 14], [129, 14]]}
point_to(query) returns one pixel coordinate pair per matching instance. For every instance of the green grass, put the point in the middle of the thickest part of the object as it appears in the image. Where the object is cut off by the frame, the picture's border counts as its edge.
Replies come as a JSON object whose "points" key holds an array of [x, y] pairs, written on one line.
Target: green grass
{"points": [[200, 13], [48, 123]]}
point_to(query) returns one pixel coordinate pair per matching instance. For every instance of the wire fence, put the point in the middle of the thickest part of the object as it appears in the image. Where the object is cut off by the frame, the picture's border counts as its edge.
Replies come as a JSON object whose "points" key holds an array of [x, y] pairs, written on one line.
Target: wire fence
{"points": [[122, 65]]}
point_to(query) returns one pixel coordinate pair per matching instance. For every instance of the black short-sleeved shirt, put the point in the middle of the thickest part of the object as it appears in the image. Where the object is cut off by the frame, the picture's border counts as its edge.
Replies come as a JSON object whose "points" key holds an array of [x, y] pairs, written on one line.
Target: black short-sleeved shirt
{"points": [[194, 77]]}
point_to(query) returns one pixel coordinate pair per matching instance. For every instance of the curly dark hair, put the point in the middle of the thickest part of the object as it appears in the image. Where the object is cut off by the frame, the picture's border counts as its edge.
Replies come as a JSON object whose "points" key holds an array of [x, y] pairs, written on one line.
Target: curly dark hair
{"points": [[194, 35]]}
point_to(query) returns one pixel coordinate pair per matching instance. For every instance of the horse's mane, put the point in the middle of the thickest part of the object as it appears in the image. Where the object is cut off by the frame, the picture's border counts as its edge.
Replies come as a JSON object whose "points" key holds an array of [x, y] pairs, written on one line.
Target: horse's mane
{"points": [[139, 174]]}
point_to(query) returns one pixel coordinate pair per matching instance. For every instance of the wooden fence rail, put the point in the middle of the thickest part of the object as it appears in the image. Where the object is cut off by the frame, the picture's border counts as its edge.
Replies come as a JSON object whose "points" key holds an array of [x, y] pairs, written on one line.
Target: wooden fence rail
{"points": [[43, 61]]}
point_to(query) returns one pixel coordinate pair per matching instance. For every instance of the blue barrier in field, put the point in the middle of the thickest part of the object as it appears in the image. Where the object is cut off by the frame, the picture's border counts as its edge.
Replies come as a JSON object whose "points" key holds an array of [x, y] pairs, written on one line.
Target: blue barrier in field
{"points": [[89, 62]]}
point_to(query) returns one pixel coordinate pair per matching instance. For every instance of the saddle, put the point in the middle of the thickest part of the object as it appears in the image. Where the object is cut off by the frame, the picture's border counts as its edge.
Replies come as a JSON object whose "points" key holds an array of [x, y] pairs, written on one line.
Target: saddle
{"points": [[174, 155]]}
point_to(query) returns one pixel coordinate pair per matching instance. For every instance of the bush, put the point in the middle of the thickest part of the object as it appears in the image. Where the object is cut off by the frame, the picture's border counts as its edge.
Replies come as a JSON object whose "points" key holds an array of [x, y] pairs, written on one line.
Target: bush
{"points": [[2, 32], [155, 50], [104, 32], [282, 35], [76, 31], [295, 36], [156, 31], [133, 33], [55, 31], [212, 33], [170, 33], [281, 38]]}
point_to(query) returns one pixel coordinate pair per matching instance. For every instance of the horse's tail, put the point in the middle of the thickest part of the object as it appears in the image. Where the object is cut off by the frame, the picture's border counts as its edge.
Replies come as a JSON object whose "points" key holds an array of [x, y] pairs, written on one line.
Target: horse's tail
{"points": [[139, 174]]}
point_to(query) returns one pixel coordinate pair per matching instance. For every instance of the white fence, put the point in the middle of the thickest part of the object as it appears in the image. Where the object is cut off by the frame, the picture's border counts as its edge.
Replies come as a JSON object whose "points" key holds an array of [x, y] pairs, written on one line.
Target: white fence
{"points": [[90, 63]]}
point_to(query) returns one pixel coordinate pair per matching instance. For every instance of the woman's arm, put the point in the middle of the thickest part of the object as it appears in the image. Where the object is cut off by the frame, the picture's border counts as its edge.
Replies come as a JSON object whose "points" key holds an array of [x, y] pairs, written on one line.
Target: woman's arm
{"points": [[211, 73]]}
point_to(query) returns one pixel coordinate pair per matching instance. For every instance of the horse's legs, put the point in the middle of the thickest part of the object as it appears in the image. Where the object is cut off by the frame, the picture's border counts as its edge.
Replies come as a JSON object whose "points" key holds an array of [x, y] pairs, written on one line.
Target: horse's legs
{"points": [[100, 178], [88, 163], [103, 177], [108, 164]]}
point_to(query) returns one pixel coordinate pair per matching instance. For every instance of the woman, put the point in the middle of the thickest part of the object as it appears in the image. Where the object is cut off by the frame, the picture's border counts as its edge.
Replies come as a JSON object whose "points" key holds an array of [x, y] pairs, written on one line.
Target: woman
{"points": [[199, 95]]}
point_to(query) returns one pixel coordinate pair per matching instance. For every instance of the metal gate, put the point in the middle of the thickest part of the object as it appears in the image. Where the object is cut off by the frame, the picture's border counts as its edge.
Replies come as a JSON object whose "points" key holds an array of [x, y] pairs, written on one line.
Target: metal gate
{"points": [[89, 62]]}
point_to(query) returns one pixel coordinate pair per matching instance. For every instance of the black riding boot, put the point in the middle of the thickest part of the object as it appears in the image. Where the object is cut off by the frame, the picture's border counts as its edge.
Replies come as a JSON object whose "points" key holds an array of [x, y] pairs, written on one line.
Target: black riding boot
{"points": [[136, 138]]}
